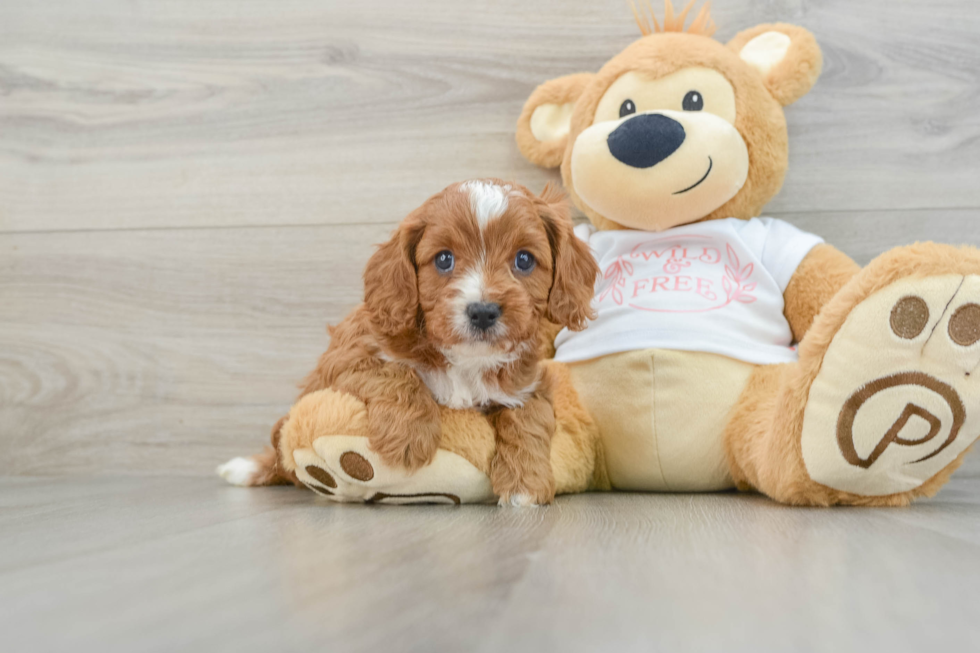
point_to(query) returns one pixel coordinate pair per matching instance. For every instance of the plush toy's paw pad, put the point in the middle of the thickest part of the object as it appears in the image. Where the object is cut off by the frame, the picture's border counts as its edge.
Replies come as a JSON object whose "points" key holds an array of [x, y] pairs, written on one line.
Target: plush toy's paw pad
{"points": [[898, 395], [343, 468], [518, 501], [238, 471]]}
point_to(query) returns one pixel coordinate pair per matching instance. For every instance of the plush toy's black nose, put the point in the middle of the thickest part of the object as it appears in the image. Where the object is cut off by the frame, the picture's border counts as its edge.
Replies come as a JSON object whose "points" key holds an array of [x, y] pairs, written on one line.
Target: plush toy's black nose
{"points": [[646, 140], [483, 315]]}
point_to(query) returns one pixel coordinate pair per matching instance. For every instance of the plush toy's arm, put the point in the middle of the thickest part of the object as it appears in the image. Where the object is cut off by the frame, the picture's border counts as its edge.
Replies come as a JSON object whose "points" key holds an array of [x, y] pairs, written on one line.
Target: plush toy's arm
{"points": [[823, 272]]}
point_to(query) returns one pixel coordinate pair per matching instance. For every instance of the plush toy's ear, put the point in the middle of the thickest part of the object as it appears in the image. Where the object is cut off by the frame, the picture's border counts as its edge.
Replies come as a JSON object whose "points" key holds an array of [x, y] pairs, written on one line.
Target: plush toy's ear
{"points": [[787, 57], [542, 129]]}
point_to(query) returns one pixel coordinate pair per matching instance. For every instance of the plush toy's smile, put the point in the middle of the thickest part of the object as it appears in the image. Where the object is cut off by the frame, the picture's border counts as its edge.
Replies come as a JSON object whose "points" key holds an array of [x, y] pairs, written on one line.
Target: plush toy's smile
{"points": [[711, 164], [658, 169]]}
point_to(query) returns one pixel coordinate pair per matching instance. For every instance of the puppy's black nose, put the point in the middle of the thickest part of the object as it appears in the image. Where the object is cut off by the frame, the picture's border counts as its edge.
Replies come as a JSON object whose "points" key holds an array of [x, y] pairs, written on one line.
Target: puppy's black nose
{"points": [[646, 140], [483, 315]]}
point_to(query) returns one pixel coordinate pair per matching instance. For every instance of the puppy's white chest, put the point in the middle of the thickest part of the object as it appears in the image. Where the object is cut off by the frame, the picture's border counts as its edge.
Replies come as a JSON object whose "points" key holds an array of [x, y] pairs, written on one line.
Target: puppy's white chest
{"points": [[467, 382], [459, 388]]}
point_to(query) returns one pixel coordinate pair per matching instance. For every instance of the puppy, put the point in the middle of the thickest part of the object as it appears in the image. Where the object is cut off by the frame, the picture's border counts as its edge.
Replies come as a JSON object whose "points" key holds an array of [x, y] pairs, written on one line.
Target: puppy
{"points": [[453, 307]]}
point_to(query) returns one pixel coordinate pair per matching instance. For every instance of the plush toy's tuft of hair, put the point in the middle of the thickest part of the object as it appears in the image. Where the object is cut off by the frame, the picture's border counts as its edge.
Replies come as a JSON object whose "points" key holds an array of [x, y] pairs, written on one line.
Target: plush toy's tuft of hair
{"points": [[703, 25]]}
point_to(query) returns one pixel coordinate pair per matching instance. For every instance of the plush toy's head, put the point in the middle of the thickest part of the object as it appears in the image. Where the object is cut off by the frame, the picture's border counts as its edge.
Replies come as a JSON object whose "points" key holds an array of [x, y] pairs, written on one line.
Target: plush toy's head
{"points": [[676, 128]]}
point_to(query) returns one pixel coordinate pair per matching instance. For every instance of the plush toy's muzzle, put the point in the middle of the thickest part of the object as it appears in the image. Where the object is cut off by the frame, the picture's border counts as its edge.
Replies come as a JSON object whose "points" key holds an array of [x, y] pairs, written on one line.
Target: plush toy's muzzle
{"points": [[659, 169]]}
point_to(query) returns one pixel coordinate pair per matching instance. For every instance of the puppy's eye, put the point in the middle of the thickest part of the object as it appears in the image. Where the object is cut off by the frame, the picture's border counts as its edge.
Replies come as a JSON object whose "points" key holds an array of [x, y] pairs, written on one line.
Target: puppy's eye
{"points": [[693, 101], [524, 262], [445, 262], [626, 108]]}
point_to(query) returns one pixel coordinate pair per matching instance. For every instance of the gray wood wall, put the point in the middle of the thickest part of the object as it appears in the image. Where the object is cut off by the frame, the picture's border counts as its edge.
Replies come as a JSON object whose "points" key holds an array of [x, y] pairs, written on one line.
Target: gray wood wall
{"points": [[189, 190]]}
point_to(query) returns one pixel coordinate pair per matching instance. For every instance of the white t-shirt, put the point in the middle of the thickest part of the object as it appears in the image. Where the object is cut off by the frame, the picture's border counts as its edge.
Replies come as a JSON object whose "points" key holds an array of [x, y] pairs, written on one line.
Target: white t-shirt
{"points": [[714, 287]]}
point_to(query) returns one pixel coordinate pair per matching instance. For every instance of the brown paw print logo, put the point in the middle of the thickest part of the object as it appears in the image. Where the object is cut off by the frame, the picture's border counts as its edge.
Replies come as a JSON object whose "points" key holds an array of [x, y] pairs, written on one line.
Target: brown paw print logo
{"points": [[355, 467], [964, 326], [909, 318], [325, 483]]}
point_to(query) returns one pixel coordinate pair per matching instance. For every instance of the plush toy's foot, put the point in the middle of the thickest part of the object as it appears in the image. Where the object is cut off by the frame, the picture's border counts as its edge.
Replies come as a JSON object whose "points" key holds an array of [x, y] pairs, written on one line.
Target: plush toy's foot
{"points": [[324, 442], [897, 397], [343, 468]]}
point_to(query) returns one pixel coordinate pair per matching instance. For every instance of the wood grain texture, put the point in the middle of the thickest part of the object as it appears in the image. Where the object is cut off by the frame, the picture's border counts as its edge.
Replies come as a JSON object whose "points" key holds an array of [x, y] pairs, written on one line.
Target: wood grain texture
{"points": [[168, 351], [161, 349], [189, 191], [169, 564], [245, 112]]}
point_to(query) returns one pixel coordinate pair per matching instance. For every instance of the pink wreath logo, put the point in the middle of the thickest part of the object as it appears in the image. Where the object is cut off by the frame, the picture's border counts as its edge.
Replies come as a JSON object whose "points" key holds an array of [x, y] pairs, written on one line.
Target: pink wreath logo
{"points": [[735, 282], [711, 285]]}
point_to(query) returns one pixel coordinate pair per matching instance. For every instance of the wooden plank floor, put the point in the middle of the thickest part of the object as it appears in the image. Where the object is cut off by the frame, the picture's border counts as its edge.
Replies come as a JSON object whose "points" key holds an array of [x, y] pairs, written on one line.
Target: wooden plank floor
{"points": [[189, 191], [159, 564], [188, 194]]}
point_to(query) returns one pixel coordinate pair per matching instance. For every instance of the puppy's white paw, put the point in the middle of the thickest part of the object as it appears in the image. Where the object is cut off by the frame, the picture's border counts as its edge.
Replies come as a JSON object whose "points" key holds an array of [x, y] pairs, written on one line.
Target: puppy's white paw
{"points": [[518, 501], [238, 471]]}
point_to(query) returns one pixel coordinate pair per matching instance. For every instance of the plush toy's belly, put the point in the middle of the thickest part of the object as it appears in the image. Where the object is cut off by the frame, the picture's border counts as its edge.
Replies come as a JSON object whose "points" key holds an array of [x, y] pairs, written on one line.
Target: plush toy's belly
{"points": [[662, 415]]}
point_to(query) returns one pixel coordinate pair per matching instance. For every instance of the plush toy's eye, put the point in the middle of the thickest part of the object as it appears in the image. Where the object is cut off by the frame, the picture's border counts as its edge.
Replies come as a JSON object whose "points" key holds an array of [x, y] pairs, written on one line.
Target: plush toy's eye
{"points": [[445, 261], [693, 101], [524, 262], [626, 108]]}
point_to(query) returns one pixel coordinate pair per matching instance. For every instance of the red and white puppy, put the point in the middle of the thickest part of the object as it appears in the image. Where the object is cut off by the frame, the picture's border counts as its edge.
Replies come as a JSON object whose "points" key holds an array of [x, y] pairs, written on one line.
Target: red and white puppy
{"points": [[453, 307]]}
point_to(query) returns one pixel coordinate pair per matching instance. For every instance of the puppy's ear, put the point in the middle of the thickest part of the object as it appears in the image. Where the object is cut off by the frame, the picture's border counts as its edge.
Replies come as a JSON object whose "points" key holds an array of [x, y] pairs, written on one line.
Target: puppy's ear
{"points": [[391, 280], [575, 269], [542, 129]]}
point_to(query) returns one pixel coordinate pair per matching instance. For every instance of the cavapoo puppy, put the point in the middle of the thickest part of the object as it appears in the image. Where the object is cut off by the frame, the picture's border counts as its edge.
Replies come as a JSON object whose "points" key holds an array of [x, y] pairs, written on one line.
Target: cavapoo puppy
{"points": [[453, 307]]}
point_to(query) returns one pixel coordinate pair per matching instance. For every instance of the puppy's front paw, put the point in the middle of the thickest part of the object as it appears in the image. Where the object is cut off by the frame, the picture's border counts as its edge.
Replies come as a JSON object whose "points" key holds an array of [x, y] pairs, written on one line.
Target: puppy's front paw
{"points": [[520, 487], [408, 446], [519, 500]]}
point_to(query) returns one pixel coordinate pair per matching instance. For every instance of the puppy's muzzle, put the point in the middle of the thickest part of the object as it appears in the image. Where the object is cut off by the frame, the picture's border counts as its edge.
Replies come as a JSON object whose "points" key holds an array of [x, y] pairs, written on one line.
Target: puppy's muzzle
{"points": [[483, 315], [646, 140]]}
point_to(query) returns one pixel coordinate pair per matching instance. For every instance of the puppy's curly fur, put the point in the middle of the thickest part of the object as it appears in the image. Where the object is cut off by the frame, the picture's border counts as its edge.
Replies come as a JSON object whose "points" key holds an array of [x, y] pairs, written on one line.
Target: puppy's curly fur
{"points": [[413, 344]]}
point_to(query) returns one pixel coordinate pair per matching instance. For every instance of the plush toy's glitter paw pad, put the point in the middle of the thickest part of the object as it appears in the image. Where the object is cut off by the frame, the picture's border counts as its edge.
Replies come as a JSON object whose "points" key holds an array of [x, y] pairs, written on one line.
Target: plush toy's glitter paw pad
{"points": [[898, 395], [343, 468]]}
